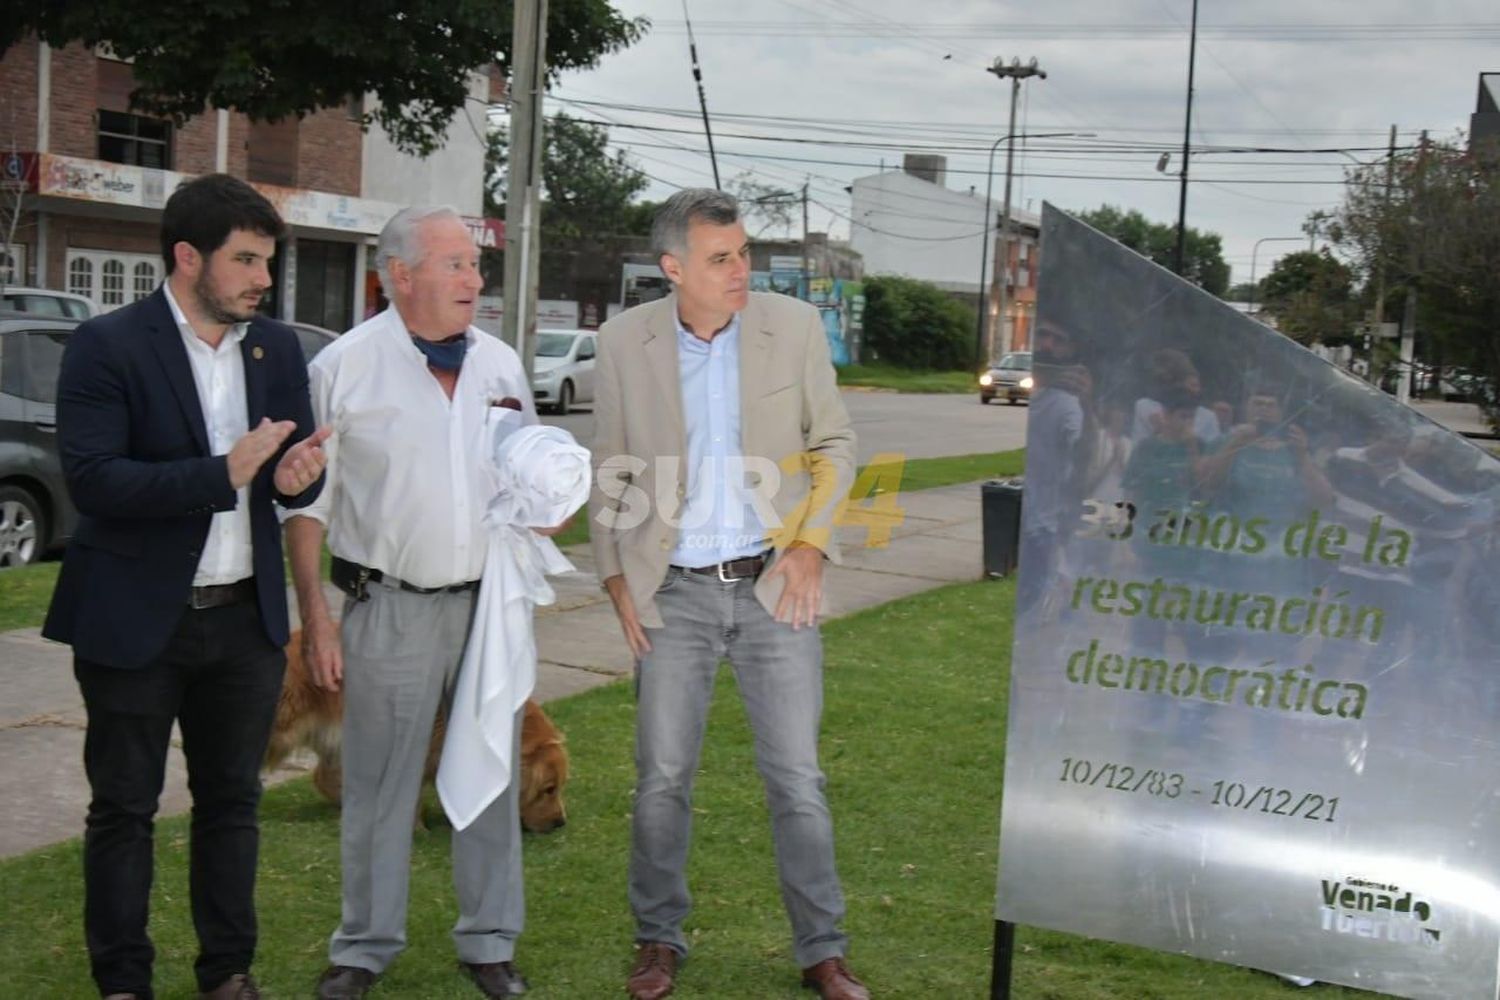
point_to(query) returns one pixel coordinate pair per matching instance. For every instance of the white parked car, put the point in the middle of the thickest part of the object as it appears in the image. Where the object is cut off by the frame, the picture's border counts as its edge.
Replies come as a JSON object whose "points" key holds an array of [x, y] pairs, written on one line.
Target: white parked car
{"points": [[46, 302], [563, 372]]}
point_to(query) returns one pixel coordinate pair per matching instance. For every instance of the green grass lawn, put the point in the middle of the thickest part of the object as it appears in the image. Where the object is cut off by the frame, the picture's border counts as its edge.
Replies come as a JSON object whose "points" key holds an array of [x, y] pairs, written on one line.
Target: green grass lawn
{"points": [[24, 594], [913, 748], [906, 380]]}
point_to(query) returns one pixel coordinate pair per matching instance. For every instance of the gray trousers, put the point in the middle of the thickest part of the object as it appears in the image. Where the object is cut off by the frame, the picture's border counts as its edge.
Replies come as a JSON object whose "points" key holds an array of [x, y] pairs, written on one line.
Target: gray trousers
{"points": [[780, 676], [402, 652]]}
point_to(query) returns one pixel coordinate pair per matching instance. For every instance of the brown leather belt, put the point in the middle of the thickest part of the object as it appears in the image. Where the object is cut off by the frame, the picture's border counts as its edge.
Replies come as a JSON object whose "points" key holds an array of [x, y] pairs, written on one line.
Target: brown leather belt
{"points": [[747, 568], [222, 594]]}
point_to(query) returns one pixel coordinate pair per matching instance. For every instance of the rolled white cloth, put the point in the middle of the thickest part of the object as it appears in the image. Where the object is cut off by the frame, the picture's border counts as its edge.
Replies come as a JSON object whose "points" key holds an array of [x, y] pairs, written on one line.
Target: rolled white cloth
{"points": [[542, 478]]}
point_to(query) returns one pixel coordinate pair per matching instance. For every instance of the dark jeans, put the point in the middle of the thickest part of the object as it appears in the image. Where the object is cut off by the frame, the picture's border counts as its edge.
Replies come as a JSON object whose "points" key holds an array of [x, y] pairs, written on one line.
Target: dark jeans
{"points": [[219, 678]]}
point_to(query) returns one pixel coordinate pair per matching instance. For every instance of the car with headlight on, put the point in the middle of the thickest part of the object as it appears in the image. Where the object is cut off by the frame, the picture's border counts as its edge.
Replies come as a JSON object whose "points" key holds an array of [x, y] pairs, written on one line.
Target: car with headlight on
{"points": [[1008, 379]]}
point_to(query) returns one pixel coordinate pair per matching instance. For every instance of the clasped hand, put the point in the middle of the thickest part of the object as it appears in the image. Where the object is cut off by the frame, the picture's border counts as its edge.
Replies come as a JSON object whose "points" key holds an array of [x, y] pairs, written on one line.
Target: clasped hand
{"points": [[298, 469]]}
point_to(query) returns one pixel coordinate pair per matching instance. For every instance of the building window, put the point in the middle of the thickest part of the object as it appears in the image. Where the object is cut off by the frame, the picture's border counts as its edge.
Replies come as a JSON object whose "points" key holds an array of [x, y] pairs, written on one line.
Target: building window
{"points": [[135, 139], [272, 152], [325, 283], [13, 264], [145, 279], [81, 276], [112, 279]]}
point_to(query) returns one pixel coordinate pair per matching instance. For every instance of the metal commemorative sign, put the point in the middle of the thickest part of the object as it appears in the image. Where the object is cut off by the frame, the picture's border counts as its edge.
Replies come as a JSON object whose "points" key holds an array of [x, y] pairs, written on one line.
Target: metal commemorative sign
{"points": [[1255, 692]]}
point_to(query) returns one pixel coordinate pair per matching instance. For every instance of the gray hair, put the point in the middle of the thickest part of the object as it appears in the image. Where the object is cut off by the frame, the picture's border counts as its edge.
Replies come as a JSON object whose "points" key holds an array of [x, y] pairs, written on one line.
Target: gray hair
{"points": [[398, 240], [670, 227]]}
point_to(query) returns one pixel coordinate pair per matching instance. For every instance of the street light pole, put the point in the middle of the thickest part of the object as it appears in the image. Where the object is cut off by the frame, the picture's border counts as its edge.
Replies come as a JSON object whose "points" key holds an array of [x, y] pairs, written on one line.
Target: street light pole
{"points": [[1015, 72], [1256, 250], [984, 237], [984, 258]]}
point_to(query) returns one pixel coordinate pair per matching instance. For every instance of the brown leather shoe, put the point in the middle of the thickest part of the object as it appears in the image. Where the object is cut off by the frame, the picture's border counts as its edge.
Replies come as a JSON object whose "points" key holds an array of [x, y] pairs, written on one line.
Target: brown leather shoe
{"points": [[833, 981], [496, 980], [345, 982], [237, 987], [655, 968], [123, 996]]}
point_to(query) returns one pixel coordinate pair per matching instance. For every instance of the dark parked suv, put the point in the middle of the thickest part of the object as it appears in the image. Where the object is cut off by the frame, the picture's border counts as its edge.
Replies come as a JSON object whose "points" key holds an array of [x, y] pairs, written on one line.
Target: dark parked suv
{"points": [[35, 515]]}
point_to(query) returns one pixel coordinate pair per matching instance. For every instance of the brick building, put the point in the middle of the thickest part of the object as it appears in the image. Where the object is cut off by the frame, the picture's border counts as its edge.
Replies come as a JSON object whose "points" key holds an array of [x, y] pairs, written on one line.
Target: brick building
{"points": [[95, 174]]}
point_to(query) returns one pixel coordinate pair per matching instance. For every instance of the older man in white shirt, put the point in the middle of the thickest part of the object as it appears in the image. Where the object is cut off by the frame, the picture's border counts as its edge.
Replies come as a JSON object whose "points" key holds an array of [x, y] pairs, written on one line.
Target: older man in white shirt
{"points": [[406, 394]]}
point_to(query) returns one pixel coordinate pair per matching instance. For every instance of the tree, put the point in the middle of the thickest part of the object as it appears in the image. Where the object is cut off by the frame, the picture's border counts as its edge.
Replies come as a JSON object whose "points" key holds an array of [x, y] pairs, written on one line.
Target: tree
{"points": [[1202, 255], [1312, 297], [588, 191], [17, 173], [764, 206], [914, 324], [1437, 234], [279, 58]]}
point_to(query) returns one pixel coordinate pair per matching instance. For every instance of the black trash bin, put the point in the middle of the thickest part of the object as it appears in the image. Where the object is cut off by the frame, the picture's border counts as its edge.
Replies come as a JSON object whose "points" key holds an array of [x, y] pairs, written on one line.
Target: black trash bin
{"points": [[1001, 524]]}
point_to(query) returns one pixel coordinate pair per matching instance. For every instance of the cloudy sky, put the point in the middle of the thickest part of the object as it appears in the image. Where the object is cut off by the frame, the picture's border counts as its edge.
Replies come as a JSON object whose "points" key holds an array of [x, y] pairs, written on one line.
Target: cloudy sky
{"points": [[823, 91]]}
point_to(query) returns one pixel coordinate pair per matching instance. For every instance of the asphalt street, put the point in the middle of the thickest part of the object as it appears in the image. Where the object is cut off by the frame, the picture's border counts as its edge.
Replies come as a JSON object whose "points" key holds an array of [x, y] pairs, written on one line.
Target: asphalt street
{"points": [[915, 425]]}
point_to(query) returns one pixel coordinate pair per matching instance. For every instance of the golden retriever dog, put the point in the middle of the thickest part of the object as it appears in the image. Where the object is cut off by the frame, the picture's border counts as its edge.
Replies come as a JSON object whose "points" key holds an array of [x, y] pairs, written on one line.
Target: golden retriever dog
{"points": [[311, 717]]}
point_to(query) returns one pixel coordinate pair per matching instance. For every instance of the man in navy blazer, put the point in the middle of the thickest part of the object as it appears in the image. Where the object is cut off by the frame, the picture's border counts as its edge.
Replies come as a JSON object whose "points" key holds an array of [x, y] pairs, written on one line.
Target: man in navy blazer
{"points": [[182, 420]]}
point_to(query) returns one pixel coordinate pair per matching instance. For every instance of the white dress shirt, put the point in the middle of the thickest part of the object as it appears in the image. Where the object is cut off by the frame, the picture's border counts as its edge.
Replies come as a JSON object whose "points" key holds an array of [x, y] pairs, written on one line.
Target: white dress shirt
{"points": [[219, 374], [406, 486]]}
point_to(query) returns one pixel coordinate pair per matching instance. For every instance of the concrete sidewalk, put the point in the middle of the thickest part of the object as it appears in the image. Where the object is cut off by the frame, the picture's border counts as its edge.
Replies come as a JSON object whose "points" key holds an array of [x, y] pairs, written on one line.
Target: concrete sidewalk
{"points": [[42, 717]]}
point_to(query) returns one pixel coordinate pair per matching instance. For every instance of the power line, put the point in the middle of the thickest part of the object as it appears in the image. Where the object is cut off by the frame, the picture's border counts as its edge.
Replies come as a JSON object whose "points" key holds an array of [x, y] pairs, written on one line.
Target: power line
{"points": [[957, 148], [979, 130], [912, 32], [1033, 174]]}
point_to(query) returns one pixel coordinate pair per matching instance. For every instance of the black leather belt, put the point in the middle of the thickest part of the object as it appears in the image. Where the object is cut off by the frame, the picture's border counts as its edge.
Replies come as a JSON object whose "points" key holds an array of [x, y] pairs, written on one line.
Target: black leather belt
{"points": [[351, 578], [747, 568], [222, 594]]}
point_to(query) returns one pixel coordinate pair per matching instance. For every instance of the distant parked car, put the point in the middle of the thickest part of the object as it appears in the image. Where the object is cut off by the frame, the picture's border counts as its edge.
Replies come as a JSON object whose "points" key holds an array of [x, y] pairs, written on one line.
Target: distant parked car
{"points": [[312, 338], [563, 372], [35, 514], [1010, 378], [47, 302]]}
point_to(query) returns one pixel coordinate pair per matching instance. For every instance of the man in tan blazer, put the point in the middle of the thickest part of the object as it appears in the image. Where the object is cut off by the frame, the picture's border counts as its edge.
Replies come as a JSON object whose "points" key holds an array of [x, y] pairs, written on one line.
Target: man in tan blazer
{"points": [[722, 453]]}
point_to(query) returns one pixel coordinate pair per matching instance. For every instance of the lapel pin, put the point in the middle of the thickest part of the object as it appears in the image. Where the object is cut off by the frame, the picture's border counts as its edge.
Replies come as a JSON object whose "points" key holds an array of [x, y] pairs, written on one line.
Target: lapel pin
{"points": [[257, 352]]}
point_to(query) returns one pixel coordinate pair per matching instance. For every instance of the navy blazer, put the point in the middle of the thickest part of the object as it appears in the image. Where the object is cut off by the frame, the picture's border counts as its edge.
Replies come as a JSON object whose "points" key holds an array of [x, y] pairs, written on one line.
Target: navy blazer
{"points": [[135, 453]]}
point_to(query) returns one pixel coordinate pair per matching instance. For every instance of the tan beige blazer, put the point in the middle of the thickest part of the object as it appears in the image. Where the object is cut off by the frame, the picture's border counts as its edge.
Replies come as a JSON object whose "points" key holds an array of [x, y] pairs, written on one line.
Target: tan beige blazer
{"points": [[791, 416]]}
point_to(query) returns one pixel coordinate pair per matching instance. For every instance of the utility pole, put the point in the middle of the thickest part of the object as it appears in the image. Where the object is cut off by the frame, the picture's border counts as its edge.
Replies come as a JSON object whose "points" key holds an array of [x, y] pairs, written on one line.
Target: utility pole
{"points": [[980, 326], [806, 271], [1015, 72], [1390, 177], [1187, 130], [523, 190], [702, 100], [1409, 317]]}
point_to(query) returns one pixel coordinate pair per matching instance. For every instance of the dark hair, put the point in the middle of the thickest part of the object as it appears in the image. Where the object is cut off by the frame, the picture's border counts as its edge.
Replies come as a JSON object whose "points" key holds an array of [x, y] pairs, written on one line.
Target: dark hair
{"points": [[205, 210]]}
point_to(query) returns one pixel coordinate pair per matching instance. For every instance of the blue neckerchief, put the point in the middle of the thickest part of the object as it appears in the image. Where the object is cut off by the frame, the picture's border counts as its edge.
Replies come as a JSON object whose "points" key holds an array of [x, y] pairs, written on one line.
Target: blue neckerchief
{"points": [[445, 355]]}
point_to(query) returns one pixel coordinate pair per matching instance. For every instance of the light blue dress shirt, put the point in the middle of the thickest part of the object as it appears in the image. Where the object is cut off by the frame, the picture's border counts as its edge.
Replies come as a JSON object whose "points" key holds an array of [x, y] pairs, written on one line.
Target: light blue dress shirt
{"points": [[717, 521]]}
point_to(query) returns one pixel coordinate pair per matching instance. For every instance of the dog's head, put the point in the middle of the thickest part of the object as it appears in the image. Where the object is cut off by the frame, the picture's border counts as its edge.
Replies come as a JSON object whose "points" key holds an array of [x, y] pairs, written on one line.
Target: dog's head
{"points": [[542, 806], [544, 760]]}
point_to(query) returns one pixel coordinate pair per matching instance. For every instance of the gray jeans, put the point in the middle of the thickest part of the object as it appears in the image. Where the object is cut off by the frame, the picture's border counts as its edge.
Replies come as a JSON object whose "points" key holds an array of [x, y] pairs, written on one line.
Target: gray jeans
{"points": [[780, 676], [402, 652]]}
